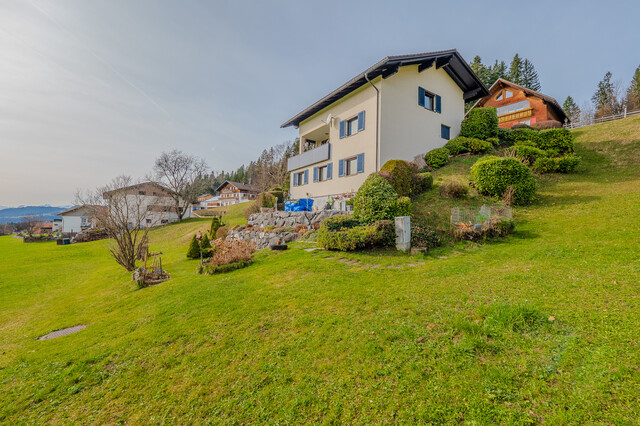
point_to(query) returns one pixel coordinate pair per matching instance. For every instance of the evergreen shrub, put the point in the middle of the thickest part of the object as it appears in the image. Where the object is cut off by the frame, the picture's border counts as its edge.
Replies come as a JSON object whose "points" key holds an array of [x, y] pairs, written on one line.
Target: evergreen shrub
{"points": [[437, 158], [375, 200], [401, 176], [480, 123], [492, 176]]}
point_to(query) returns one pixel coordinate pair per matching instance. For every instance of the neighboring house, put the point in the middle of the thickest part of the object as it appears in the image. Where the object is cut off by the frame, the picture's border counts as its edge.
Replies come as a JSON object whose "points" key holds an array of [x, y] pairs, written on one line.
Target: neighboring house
{"points": [[401, 107], [207, 203], [235, 192], [78, 219], [154, 200], [516, 104], [57, 225]]}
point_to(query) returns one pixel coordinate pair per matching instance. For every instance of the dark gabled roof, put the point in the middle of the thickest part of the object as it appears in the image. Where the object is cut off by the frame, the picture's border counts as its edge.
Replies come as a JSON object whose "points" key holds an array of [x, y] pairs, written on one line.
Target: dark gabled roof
{"points": [[502, 82], [91, 206], [240, 186], [137, 185], [450, 60]]}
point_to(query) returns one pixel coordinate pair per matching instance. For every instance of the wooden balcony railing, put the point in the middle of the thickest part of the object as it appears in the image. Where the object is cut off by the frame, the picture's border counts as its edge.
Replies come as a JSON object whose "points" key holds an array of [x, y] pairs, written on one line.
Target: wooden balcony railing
{"points": [[515, 115]]}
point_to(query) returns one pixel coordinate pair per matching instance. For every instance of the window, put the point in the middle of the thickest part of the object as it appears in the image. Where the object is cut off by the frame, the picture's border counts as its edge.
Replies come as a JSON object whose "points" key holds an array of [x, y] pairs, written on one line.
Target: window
{"points": [[352, 126], [445, 132], [517, 106], [499, 97], [149, 221], [141, 192], [508, 94], [164, 221], [322, 173], [429, 100], [351, 166]]}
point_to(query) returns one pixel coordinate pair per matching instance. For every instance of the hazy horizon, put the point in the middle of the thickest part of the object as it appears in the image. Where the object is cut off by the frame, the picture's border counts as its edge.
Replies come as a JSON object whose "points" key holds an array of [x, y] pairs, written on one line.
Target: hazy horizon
{"points": [[92, 90]]}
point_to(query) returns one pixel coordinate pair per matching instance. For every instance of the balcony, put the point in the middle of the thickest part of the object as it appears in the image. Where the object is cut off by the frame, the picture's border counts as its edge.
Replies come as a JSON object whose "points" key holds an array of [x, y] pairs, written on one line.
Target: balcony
{"points": [[517, 115], [312, 156]]}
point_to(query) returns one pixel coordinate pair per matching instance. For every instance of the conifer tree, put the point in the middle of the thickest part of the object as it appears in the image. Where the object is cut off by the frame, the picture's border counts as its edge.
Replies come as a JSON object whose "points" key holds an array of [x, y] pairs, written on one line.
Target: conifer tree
{"points": [[571, 109], [216, 223], [205, 245], [603, 99], [498, 70], [529, 77], [481, 71], [194, 249], [515, 70], [633, 93]]}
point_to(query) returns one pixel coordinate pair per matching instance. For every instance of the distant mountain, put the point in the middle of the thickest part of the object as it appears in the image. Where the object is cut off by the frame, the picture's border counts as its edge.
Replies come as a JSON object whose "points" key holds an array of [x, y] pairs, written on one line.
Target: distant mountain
{"points": [[16, 214]]}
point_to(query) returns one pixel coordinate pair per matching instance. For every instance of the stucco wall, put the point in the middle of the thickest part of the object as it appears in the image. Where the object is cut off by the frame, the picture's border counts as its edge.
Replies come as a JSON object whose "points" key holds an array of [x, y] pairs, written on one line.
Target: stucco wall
{"points": [[408, 129]]}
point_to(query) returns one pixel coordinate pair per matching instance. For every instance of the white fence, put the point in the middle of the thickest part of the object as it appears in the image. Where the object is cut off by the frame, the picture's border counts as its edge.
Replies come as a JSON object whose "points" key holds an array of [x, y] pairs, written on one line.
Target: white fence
{"points": [[584, 123]]}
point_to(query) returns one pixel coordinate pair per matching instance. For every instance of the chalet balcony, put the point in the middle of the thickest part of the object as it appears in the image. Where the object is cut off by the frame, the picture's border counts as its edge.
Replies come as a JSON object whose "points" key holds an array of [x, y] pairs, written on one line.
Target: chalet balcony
{"points": [[516, 115], [312, 156]]}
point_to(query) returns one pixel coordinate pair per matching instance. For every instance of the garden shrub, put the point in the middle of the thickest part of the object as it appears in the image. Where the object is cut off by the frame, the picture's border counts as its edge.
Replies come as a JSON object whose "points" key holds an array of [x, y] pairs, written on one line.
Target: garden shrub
{"points": [[567, 163], [193, 252], [505, 137], [423, 236], [222, 232], [453, 189], [402, 207], [401, 176], [422, 182], [547, 124], [340, 222], [457, 146], [494, 141], [545, 165], [216, 223], [231, 251], [437, 158], [375, 200], [205, 245], [378, 234], [219, 269], [560, 140], [497, 228], [525, 136], [492, 176], [480, 123], [521, 126], [477, 146], [528, 154]]}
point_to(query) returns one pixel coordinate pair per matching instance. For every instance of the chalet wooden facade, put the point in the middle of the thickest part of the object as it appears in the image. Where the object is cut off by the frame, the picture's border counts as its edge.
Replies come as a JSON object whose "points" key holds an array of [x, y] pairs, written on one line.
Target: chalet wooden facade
{"points": [[235, 192], [516, 104]]}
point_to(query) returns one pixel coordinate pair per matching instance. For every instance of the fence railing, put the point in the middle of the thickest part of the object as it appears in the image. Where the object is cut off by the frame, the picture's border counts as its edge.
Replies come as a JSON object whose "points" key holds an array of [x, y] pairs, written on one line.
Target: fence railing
{"points": [[583, 123]]}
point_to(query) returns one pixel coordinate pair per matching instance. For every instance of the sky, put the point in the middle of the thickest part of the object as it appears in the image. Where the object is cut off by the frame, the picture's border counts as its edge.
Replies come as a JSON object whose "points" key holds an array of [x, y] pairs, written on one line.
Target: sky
{"points": [[90, 89]]}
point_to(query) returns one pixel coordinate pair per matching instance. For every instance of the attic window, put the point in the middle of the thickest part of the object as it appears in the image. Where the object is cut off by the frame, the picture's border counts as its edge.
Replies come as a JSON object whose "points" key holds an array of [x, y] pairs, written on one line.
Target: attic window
{"points": [[141, 193], [508, 94], [499, 97]]}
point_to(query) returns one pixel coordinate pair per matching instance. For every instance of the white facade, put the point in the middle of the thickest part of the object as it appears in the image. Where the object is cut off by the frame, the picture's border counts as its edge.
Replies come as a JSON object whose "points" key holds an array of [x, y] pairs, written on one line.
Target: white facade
{"points": [[75, 220]]}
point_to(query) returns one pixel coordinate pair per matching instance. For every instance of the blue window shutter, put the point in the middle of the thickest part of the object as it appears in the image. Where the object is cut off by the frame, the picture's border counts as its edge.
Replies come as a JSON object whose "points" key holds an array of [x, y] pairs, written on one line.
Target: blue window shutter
{"points": [[329, 171], [360, 163], [306, 176], [315, 174], [444, 132], [341, 168], [343, 128], [295, 179], [438, 103], [361, 121], [421, 94]]}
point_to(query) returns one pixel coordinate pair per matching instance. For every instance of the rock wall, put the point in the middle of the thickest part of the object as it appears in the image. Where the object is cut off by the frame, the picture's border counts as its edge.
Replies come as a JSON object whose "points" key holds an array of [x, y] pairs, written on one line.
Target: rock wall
{"points": [[292, 218], [261, 238]]}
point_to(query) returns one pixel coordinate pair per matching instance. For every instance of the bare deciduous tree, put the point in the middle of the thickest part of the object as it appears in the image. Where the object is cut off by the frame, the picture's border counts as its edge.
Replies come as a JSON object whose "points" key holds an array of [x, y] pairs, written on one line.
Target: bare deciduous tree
{"points": [[124, 214], [30, 224], [178, 172]]}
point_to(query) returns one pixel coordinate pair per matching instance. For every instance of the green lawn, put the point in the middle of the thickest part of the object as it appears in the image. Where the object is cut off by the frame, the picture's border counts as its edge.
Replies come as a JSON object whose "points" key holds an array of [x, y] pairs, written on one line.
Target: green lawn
{"points": [[460, 336]]}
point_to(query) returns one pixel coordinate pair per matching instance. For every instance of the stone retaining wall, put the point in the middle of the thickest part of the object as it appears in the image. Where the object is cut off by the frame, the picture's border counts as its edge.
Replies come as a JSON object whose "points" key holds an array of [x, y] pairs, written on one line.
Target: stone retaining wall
{"points": [[261, 238], [292, 218]]}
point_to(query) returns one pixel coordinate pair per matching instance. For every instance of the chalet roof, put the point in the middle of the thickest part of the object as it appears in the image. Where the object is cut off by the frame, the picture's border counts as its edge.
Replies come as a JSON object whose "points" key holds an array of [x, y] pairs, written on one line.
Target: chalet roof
{"points": [[240, 186], [137, 185], [501, 82], [449, 60]]}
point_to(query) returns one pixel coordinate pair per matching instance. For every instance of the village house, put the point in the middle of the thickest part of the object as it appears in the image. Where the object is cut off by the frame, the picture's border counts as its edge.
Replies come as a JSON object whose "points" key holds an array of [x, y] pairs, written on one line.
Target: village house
{"points": [[518, 105], [235, 192], [399, 108], [154, 200], [79, 219]]}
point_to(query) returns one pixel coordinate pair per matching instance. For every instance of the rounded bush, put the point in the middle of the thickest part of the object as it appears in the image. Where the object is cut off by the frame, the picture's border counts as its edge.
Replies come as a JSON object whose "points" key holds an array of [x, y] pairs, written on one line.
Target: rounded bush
{"points": [[423, 182], [375, 200], [545, 165], [505, 137], [567, 163], [457, 146], [437, 158], [528, 154], [525, 136], [480, 123], [477, 146], [494, 141], [493, 175], [403, 207], [547, 124], [401, 175], [560, 140]]}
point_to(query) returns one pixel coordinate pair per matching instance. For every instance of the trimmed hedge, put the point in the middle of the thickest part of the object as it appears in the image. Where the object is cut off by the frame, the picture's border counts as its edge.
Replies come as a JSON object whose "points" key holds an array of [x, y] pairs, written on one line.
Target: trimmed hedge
{"points": [[545, 165], [493, 175], [505, 137], [437, 158], [560, 140], [477, 146], [480, 123], [401, 175], [528, 154], [375, 200], [402, 207], [567, 163], [423, 181], [378, 234], [457, 146], [220, 269], [423, 236]]}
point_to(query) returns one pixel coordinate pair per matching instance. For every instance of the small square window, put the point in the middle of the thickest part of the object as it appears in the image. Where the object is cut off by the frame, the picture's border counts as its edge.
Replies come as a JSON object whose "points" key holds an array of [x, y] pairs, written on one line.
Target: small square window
{"points": [[445, 132], [508, 94], [141, 193], [351, 166], [428, 101], [299, 179], [322, 173]]}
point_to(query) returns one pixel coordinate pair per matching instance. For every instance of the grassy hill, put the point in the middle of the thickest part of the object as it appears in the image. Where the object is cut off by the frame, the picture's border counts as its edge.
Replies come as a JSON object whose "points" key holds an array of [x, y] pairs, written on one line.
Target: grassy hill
{"points": [[541, 328]]}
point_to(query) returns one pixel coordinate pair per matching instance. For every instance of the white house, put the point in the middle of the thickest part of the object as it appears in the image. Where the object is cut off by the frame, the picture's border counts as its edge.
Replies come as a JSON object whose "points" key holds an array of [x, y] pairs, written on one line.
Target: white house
{"points": [[401, 107], [77, 219]]}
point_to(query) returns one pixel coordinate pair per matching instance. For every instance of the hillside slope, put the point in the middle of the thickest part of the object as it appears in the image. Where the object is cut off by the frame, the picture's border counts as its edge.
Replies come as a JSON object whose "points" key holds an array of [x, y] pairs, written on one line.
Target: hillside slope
{"points": [[541, 328]]}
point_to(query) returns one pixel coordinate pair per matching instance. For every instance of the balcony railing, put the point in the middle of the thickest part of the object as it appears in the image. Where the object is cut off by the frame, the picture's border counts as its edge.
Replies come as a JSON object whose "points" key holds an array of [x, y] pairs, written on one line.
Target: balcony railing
{"points": [[307, 158], [515, 115]]}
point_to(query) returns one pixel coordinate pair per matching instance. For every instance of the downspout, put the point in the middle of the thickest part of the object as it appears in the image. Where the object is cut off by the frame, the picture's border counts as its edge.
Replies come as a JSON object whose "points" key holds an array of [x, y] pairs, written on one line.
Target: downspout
{"points": [[366, 77]]}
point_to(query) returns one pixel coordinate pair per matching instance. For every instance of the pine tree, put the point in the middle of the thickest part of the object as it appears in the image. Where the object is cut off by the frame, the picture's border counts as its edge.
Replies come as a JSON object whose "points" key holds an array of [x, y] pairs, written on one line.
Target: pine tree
{"points": [[571, 109], [515, 70], [216, 223], [633, 93], [529, 78], [483, 73], [206, 246], [498, 70], [194, 249], [603, 99]]}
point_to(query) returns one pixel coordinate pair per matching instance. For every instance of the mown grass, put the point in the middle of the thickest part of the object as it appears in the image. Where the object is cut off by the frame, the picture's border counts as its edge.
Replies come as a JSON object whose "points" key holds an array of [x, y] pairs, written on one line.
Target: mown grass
{"points": [[232, 215], [465, 337]]}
